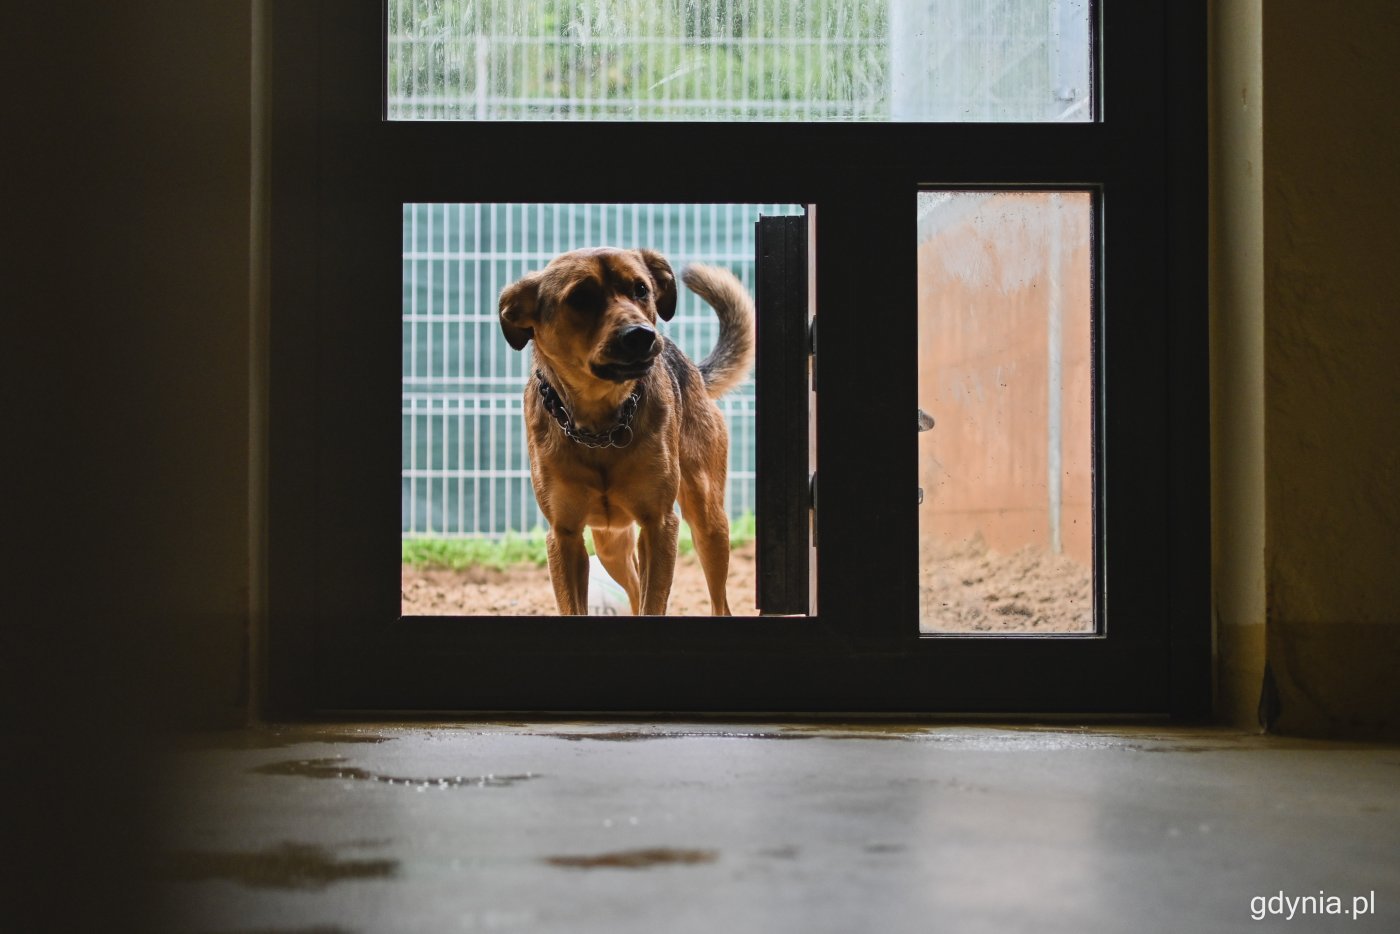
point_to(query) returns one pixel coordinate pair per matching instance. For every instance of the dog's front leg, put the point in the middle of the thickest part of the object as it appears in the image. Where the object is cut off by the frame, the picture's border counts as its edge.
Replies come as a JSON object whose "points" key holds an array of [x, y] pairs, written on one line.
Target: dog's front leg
{"points": [[617, 550], [568, 570], [656, 559]]}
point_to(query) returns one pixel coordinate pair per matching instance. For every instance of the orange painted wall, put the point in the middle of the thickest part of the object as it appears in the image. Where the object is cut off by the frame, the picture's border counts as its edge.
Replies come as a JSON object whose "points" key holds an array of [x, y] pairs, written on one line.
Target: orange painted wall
{"points": [[990, 267]]}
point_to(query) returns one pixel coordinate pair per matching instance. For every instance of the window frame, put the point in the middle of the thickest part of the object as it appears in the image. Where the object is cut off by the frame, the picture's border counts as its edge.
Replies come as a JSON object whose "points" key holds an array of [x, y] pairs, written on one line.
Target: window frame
{"points": [[335, 641]]}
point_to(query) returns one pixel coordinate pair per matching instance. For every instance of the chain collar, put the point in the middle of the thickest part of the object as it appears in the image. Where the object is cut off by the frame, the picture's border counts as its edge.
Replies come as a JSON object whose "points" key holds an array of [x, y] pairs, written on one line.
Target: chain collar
{"points": [[618, 436]]}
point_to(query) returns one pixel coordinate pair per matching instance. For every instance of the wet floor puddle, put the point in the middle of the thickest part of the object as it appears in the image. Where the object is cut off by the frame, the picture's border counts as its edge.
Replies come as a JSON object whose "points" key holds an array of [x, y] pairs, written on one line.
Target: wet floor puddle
{"points": [[336, 768], [781, 852], [845, 731], [878, 848], [278, 738], [632, 736], [295, 866], [635, 859]]}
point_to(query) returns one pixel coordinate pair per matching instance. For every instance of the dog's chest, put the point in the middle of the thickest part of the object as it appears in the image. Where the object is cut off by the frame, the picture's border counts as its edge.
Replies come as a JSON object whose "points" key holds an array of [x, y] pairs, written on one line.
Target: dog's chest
{"points": [[618, 493]]}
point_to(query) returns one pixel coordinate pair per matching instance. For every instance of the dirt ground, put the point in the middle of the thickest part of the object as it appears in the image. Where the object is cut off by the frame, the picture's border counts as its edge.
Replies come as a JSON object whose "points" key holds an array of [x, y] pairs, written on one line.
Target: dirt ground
{"points": [[965, 589], [524, 590], [971, 588]]}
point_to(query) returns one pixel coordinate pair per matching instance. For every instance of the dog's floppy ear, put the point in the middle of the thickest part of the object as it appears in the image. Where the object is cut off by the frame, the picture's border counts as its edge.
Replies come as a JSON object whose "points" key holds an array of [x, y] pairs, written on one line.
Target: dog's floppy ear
{"points": [[665, 283], [519, 302]]}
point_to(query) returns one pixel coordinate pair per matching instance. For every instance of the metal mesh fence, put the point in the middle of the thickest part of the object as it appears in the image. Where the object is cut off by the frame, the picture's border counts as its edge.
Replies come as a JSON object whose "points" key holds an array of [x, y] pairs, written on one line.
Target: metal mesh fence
{"points": [[825, 60], [465, 467]]}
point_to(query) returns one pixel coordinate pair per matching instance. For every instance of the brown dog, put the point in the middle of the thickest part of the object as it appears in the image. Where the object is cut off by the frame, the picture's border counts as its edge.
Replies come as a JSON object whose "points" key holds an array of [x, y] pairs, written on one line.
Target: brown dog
{"points": [[621, 425]]}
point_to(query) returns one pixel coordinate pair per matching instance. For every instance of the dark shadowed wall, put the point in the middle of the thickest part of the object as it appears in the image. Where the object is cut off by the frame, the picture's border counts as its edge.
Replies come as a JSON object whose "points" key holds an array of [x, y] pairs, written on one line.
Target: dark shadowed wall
{"points": [[127, 477], [1332, 364]]}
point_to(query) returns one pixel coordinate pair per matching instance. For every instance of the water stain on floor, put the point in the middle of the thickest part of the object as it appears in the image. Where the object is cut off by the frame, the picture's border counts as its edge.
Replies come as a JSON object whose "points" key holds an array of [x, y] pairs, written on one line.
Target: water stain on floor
{"points": [[781, 852], [867, 731], [632, 736], [277, 738], [635, 859], [1182, 747], [884, 848], [295, 866], [311, 930], [335, 767]]}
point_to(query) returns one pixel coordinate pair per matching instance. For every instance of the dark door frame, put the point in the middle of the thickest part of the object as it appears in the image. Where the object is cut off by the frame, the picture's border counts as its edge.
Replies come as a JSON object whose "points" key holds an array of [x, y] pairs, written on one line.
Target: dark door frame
{"points": [[340, 174]]}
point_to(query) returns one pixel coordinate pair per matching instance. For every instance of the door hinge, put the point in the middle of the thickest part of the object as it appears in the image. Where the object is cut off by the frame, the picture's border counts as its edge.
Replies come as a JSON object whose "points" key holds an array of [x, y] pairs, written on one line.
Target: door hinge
{"points": [[812, 505], [812, 349]]}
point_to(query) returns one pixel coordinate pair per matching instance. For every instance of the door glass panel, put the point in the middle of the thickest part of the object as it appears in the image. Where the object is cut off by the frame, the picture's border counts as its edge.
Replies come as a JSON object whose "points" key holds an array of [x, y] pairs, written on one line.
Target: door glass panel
{"points": [[769, 60], [1006, 412], [473, 533]]}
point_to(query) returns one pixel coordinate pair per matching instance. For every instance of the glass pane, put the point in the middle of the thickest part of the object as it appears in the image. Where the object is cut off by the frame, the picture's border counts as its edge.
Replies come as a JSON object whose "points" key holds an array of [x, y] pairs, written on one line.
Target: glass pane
{"points": [[1005, 412], [775, 60], [473, 534]]}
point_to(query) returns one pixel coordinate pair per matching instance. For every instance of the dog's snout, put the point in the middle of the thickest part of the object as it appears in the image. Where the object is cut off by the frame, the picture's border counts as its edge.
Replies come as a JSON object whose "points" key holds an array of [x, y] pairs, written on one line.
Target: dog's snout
{"points": [[637, 340]]}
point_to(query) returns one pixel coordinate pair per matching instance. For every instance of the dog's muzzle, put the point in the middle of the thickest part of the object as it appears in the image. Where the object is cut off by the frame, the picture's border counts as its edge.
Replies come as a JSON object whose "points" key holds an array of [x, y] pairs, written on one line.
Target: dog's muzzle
{"points": [[630, 354]]}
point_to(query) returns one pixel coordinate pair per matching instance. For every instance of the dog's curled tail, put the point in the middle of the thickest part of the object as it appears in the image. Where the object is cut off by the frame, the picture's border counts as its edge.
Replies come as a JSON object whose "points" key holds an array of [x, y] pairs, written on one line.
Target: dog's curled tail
{"points": [[732, 357]]}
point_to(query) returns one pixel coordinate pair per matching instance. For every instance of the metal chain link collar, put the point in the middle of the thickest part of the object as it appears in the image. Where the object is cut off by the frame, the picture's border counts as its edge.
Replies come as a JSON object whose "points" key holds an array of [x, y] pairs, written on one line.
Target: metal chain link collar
{"points": [[618, 436]]}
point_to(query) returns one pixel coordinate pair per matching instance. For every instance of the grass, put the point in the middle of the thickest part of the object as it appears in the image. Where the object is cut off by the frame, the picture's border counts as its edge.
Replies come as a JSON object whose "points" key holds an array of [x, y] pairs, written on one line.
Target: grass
{"points": [[529, 548]]}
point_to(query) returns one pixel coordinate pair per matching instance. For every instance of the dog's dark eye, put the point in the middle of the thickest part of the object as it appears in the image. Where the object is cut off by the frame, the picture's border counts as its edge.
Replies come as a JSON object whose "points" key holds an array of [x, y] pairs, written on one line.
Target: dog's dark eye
{"points": [[587, 298], [640, 290]]}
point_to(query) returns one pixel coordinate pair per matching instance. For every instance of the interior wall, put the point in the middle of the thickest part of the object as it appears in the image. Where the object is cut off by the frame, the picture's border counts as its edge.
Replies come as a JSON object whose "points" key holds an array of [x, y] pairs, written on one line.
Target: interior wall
{"points": [[131, 204], [1332, 380], [1237, 355], [126, 368], [169, 265]]}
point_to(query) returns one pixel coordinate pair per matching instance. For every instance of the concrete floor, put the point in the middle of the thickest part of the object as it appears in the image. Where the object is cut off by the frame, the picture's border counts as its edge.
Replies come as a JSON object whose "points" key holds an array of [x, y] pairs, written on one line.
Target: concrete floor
{"points": [[609, 827]]}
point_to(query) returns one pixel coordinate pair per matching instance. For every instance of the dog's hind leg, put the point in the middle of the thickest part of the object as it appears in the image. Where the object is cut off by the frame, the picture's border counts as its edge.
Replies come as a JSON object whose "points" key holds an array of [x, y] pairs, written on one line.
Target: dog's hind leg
{"points": [[617, 549], [709, 526], [568, 570], [656, 561]]}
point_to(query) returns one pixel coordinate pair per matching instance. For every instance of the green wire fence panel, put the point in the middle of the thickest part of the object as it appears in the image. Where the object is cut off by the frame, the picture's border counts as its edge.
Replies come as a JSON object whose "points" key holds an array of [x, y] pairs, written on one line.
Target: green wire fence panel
{"points": [[825, 60]]}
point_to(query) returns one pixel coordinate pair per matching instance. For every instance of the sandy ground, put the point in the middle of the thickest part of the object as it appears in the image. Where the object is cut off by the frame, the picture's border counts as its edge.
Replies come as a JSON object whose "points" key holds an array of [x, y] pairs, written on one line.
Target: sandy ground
{"points": [[970, 588], [524, 590], [964, 589]]}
